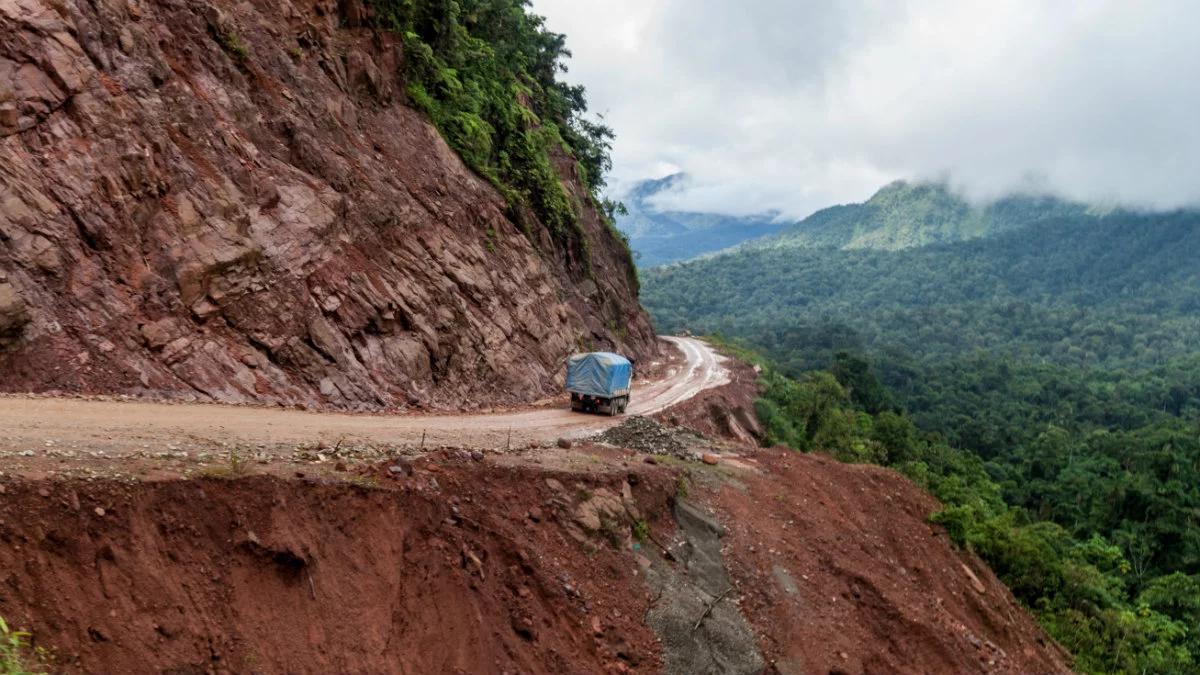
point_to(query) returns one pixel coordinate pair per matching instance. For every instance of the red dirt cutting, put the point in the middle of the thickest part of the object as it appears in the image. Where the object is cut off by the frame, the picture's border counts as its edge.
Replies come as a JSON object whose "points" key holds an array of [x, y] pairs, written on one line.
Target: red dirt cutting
{"points": [[456, 568]]}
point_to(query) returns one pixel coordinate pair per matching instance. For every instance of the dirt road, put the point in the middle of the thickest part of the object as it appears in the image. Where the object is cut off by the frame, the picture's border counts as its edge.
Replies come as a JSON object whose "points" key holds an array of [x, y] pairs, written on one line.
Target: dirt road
{"points": [[120, 427]]}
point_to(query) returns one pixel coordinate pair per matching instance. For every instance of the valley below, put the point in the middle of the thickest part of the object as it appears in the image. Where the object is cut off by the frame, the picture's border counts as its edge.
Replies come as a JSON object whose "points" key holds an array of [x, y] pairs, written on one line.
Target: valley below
{"points": [[1030, 361]]}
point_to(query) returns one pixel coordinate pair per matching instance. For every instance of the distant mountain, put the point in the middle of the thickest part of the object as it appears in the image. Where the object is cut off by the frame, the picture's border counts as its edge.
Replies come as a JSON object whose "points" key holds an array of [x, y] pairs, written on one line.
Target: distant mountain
{"points": [[662, 236], [1022, 278], [901, 215], [905, 215], [1081, 299]]}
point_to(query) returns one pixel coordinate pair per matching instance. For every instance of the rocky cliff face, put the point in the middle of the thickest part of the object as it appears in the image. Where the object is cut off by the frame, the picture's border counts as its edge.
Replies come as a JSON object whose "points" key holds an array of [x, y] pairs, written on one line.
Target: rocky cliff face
{"points": [[232, 201]]}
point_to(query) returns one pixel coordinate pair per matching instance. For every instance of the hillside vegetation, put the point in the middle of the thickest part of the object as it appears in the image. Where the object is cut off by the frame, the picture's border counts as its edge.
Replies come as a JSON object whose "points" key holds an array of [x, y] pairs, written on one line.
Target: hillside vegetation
{"points": [[487, 72], [1103, 597], [1043, 382], [1088, 292]]}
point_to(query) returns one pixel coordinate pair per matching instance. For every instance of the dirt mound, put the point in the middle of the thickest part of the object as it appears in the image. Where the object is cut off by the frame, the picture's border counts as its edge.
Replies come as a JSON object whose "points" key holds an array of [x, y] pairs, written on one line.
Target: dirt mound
{"points": [[232, 201], [840, 572], [645, 434], [446, 567]]}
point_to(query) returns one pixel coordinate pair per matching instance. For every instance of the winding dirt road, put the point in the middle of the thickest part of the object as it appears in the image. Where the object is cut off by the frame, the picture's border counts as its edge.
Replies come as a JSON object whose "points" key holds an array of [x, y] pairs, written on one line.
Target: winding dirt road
{"points": [[120, 427]]}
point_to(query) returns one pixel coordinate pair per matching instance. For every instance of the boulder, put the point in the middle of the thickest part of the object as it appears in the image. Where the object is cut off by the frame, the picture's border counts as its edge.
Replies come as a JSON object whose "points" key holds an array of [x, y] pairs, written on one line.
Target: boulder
{"points": [[13, 314]]}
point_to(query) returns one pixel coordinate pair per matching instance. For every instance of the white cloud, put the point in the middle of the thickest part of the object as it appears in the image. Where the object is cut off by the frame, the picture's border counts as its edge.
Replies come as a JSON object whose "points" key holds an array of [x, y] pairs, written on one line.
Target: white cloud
{"points": [[787, 105]]}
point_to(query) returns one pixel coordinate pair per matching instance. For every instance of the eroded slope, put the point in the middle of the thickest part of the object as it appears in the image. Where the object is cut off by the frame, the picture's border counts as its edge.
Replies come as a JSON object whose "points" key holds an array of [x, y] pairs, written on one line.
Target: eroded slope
{"points": [[449, 566]]}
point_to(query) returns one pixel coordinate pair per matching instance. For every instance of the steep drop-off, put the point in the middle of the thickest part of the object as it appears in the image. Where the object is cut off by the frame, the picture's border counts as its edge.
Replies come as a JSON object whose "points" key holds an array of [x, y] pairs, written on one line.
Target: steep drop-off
{"points": [[775, 562], [457, 567], [234, 202]]}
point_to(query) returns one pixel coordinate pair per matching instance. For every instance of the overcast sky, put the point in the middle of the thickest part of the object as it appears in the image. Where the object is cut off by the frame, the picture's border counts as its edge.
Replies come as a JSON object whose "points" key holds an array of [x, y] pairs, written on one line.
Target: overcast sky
{"points": [[796, 105]]}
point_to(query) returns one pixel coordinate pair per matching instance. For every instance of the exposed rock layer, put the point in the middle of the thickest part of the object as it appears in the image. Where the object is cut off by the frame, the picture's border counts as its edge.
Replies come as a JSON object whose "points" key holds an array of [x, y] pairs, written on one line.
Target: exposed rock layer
{"points": [[232, 201]]}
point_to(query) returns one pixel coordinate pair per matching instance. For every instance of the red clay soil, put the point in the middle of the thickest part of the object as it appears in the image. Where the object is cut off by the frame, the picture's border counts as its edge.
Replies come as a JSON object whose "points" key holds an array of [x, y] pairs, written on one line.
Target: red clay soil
{"points": [[841, 573], [450, 565], [440, 571], [840, 570]]}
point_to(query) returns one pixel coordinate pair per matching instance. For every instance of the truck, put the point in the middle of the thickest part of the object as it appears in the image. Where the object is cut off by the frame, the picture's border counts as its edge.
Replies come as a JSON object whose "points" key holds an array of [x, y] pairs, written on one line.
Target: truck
{"points": [[599, 382]]}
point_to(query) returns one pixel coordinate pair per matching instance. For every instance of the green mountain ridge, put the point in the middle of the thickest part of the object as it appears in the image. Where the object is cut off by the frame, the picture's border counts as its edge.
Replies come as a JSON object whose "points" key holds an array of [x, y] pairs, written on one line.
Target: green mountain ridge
{"points": [[905, 215], [899, 216], [1138, 270]]}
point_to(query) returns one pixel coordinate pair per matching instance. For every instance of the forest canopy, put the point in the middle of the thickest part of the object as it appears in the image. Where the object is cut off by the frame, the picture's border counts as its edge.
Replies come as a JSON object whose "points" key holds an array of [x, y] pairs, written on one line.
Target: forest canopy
{"points": [[1044, 383]]}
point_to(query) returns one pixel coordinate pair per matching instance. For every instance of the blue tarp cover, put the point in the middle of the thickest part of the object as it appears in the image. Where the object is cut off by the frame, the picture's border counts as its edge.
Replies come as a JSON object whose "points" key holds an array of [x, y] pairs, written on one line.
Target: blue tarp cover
{"points": [[601, 374]]}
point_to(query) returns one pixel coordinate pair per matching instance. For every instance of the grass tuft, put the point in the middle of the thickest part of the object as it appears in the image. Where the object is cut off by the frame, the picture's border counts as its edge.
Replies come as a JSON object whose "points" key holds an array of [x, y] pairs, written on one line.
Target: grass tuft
{"points": [[18, 656]]}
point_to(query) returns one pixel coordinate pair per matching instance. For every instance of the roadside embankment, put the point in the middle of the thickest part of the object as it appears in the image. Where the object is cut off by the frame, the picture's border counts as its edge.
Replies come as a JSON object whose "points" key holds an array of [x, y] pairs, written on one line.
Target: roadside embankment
{"points": [[588, 559], [427, 566]]}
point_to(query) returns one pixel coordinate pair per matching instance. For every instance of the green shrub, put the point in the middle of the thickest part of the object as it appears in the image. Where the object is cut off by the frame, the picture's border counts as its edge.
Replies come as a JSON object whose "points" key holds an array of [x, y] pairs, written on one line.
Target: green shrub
{"points": [[641, 530], [486, 73], [232, 43], [682, 487]]}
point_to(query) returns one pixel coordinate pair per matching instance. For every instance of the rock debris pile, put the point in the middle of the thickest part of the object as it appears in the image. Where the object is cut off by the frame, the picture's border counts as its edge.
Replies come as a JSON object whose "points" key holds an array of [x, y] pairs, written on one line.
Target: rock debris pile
{"points": [[647, 435]]}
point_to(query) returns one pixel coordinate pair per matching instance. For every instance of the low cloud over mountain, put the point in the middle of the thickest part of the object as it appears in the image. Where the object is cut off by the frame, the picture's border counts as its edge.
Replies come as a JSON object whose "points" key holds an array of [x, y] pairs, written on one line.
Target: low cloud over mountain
{"points": [[795, 106]]}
